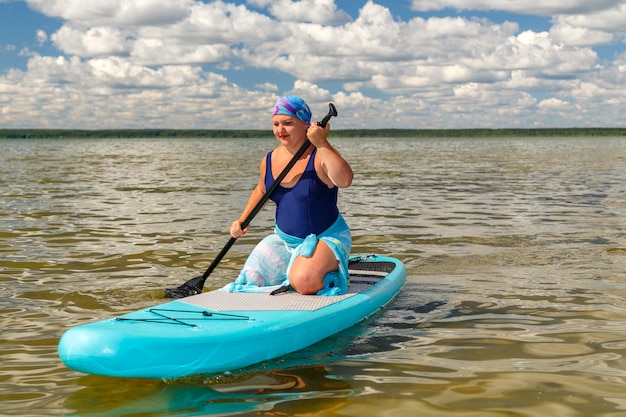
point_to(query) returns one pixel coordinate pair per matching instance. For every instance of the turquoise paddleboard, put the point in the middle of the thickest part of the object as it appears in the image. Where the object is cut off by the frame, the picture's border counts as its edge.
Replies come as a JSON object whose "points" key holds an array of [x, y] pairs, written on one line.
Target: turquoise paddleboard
{"points": [[218, 331]]}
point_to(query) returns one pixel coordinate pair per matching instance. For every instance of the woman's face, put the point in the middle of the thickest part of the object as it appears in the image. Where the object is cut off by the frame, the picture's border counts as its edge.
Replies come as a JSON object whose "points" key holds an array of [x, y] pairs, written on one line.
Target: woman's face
{"points": [[289, 130]]}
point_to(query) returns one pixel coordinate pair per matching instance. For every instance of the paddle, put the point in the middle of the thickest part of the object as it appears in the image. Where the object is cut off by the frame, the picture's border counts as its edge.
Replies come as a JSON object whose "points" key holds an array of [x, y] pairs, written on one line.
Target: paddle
{"points": [[195, 285]]}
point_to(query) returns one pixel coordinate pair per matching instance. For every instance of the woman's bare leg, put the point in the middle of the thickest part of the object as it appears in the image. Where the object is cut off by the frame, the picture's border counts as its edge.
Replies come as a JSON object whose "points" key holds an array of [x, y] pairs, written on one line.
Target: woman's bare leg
{"points": [[307, 274]]}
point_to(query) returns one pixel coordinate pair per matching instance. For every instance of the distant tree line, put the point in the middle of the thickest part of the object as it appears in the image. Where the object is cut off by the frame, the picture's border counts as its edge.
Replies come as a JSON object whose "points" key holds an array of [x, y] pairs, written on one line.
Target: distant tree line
{"points": [[129, 133], [464, 133], [348, 133]]}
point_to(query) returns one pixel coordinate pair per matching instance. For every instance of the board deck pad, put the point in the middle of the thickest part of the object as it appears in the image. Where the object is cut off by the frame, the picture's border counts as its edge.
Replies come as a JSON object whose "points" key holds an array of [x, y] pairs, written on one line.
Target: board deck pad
{"points": [[242, 301], [362, 276]]}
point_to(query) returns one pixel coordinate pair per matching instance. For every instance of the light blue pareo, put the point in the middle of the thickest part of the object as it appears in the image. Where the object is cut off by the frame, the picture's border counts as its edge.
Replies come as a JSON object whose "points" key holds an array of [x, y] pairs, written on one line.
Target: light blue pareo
{"points": [[267, 267]]}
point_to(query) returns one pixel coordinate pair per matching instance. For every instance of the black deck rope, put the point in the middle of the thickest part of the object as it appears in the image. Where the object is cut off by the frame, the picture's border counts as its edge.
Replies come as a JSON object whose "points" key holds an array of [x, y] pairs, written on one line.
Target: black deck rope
{"points": [[163, 318]]}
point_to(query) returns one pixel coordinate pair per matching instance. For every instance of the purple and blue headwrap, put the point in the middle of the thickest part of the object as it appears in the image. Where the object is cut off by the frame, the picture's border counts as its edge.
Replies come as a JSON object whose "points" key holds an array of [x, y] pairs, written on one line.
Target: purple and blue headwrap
{"points": [[293, 106]]}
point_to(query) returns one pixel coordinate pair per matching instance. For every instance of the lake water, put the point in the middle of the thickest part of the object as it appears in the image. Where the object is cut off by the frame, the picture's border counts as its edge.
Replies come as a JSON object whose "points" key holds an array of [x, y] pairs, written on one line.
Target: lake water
{"points": [[515, 302]]}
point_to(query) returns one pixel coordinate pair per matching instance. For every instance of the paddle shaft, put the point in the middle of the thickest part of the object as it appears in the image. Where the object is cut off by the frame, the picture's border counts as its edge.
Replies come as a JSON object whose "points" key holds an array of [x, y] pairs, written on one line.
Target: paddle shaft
{"points": [[332, 112]]}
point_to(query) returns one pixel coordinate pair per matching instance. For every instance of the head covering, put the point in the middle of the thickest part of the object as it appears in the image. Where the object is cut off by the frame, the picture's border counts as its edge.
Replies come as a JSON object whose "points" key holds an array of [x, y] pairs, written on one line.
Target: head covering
{"points": [[293, 106]]}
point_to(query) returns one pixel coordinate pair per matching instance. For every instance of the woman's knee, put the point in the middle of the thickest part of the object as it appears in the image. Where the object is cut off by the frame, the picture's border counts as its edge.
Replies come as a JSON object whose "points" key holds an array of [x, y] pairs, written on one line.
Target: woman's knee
{"points": [[307, 273], [305, 282]]}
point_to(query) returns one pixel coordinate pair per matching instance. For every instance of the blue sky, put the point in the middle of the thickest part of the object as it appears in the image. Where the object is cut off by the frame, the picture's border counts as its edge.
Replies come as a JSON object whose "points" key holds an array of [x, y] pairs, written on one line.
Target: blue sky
{"points": [[103, 64]]}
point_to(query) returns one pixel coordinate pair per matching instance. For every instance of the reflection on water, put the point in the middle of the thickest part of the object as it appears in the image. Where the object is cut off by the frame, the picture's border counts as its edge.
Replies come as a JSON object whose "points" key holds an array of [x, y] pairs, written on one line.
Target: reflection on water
{"points": [[514, 305]]}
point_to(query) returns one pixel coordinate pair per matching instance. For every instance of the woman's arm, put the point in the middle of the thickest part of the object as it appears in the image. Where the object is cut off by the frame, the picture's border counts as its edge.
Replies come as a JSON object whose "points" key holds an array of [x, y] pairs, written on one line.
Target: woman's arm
{"points": [[337, 170]]}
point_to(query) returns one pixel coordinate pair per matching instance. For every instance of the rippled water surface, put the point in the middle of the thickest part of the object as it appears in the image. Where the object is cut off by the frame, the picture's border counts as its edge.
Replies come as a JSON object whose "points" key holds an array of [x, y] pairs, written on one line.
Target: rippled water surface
{"points": [[514, 303]]}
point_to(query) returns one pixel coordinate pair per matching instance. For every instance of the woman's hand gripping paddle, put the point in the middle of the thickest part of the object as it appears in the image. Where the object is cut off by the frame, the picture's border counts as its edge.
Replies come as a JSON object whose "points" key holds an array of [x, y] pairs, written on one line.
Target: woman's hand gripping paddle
{"points": [[195, 285]]}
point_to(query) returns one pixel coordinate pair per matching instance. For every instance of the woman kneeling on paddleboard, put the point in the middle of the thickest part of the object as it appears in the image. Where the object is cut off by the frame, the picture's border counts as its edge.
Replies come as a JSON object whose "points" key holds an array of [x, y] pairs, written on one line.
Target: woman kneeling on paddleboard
{"points": [[311, 244]]}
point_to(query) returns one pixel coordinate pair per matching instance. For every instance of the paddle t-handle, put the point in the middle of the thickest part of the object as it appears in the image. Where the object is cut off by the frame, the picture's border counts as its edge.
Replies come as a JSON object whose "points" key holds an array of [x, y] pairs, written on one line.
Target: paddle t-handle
{"points": [[195, 285], [332, 111]]}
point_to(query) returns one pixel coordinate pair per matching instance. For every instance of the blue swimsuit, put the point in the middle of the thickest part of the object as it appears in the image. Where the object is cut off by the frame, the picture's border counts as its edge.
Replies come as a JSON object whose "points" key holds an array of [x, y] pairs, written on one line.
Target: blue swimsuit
{"points": [[309, 207]]}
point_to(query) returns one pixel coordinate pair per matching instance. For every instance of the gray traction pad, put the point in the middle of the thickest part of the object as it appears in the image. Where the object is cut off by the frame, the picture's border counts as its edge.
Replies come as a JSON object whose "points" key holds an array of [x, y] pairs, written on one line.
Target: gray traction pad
{"points": [[363, 276], [241, 301]]}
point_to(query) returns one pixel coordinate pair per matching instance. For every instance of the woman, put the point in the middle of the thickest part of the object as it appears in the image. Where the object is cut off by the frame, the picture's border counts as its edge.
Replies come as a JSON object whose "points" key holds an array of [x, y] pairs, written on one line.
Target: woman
{"points": [[309, 250]]}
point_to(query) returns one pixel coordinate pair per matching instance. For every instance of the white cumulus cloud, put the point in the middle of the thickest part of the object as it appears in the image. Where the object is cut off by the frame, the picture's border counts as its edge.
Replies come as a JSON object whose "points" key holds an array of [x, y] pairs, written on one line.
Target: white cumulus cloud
{"points": [[188, 63]]}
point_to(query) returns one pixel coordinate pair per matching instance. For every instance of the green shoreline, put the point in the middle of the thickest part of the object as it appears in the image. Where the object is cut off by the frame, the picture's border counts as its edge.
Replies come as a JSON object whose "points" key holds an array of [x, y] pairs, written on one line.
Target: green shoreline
{"points": [[351, 133]]}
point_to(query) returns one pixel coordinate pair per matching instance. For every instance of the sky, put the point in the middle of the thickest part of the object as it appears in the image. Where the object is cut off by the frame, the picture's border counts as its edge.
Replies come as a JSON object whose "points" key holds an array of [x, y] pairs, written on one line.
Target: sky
{"points": [[411, 64]]}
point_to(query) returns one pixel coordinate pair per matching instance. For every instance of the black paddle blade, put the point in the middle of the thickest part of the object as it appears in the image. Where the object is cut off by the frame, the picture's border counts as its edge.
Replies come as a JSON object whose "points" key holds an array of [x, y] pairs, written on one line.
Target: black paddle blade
{"points": [[191, 287]]}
